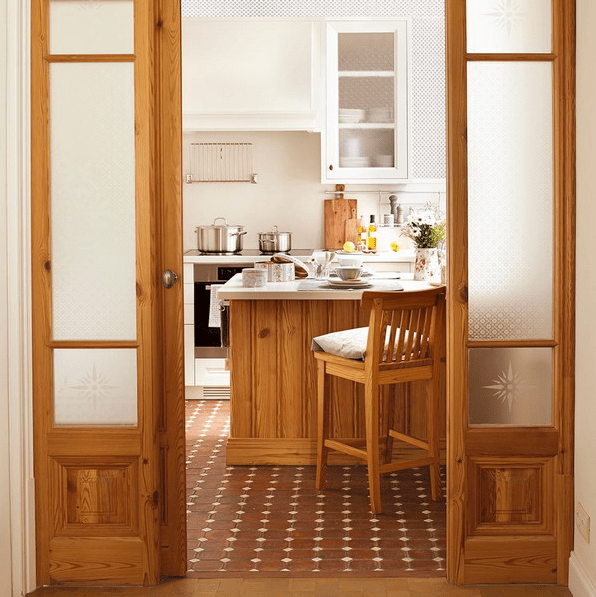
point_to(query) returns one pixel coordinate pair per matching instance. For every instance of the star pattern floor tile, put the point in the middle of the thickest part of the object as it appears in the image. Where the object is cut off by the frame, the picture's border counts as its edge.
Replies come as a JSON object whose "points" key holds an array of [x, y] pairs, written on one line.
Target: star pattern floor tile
{"points": [[270, 520]]}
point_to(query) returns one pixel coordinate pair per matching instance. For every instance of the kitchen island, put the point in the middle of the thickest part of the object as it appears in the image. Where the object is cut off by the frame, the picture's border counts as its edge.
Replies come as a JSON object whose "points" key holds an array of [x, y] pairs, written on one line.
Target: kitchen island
{"points": [[273, 372]]}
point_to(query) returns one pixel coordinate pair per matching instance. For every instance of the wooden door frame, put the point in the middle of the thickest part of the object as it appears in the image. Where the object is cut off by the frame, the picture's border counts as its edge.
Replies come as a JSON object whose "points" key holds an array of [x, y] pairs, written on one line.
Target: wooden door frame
{"points": [[172, 420], [563, 283]]}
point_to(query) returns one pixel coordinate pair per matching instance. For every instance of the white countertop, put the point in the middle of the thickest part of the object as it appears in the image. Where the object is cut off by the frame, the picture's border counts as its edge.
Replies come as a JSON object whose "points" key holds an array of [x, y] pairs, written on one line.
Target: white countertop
{"points": [[193, 256], [233, 290]]}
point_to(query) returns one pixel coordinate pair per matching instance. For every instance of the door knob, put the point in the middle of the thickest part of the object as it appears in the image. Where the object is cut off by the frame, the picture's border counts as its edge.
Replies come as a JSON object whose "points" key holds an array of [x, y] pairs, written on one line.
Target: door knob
{"points": [[169, 278]]}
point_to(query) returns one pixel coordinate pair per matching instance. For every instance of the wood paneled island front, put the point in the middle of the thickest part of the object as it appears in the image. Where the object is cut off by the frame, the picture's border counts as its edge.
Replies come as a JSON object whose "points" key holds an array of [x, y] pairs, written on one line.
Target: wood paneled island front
{"points": [[273, 372]]}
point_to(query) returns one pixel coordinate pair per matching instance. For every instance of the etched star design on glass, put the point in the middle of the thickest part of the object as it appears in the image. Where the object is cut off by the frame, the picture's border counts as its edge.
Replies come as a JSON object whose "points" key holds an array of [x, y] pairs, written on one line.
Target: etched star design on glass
{"points": [[88, 5], [94, 387], [507, 15], [508, 386]]}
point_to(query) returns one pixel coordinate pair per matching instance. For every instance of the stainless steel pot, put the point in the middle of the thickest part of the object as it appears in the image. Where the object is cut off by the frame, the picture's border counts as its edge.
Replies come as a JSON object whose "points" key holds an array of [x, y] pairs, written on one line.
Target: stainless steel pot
{"points": [[219, 238], [275, 241]]}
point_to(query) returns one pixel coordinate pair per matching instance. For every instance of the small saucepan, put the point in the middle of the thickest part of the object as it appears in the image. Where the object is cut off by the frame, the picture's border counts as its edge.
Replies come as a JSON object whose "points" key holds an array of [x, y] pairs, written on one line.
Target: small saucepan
{"points": [[275, 242]]}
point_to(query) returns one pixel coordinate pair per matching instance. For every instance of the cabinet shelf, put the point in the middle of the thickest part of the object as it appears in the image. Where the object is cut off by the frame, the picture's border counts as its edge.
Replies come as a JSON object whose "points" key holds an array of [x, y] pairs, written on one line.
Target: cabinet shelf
{"points": [[367, 125], [366, 73]]}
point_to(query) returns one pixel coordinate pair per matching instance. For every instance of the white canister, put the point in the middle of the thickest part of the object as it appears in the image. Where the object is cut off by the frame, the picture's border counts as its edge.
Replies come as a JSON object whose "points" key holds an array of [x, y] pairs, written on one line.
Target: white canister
{"points": [[277, 272], [253, 277]]}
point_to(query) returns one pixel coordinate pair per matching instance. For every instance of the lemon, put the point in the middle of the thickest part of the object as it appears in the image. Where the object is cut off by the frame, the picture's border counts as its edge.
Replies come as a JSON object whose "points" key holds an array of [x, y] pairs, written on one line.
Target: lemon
{"points": [[349, 247], [394, 247]]}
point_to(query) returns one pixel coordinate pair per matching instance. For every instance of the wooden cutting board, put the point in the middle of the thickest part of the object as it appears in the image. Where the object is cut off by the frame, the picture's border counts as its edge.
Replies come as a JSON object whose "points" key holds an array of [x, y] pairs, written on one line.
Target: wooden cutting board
{"points": [[337, 211], [351, 228]]}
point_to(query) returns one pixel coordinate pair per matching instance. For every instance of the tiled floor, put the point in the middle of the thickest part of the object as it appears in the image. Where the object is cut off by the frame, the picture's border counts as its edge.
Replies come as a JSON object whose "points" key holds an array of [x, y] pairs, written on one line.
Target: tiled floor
{"points": [[271, 521]]}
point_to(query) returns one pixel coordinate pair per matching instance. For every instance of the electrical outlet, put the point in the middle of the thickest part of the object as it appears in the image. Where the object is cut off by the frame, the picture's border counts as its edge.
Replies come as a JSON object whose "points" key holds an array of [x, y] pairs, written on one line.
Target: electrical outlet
{"points": [[582, 522]]}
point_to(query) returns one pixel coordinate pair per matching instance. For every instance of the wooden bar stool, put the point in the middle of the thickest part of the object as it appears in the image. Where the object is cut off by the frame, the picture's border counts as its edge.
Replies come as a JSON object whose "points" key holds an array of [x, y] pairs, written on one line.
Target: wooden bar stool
{"points": [[400, 345]]}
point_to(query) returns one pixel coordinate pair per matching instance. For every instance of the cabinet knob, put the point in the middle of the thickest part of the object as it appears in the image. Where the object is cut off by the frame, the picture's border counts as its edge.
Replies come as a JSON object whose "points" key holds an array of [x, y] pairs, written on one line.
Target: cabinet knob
{"points": [[330, 166]]}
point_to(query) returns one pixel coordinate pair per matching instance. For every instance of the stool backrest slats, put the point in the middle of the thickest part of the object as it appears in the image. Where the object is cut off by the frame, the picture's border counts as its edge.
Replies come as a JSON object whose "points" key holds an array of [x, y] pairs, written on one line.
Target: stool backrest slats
{"points": [[402, 326]]}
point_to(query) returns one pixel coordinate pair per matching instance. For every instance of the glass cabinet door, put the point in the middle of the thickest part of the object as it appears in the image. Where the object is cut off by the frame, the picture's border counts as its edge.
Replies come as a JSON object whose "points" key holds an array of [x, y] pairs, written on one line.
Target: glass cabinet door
{"points": [[366, 103]]}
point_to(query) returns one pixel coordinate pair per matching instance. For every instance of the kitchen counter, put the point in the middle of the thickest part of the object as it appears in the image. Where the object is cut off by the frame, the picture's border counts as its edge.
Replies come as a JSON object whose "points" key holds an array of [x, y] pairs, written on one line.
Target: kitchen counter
{"points": [[273, 373], [233, 289], [193, 256]]}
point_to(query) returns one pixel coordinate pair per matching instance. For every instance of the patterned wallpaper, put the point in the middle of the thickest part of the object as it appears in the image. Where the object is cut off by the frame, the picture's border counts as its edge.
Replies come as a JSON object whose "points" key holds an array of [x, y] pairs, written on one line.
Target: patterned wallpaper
{"points": [[427, 79]]}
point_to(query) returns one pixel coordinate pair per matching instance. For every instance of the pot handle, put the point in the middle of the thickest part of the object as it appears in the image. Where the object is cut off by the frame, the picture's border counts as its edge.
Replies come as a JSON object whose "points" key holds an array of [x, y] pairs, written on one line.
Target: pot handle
{"points": [[220, 218], [237, 233]]}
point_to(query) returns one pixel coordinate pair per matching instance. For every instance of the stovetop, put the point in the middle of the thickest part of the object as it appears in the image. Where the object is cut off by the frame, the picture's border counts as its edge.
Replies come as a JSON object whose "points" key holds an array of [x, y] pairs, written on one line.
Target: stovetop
{"points": [[246, 253]]}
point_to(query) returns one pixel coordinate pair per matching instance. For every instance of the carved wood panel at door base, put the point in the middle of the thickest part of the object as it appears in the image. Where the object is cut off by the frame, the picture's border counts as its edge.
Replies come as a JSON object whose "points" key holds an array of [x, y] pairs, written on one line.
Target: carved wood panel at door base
{"points": [[508, 495], [512, 522], [95, 497]]}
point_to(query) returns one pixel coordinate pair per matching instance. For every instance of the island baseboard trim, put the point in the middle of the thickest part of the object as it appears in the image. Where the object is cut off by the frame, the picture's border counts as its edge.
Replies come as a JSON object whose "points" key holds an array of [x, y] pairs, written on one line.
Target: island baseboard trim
{"points": [[288, 451]]}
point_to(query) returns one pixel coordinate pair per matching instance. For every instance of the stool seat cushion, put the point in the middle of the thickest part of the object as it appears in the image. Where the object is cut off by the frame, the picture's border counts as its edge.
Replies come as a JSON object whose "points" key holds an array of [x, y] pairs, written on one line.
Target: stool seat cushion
{"points": [[349, 344]]}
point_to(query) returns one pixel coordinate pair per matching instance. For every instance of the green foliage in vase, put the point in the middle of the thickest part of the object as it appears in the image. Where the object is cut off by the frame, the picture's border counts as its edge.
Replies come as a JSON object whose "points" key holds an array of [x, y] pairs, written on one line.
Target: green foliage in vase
{"points": [[426, 227]]}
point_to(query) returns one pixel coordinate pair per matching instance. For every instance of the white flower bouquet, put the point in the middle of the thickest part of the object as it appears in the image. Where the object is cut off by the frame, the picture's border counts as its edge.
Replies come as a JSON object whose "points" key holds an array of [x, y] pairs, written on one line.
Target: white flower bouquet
{"points": [[426, 227]]}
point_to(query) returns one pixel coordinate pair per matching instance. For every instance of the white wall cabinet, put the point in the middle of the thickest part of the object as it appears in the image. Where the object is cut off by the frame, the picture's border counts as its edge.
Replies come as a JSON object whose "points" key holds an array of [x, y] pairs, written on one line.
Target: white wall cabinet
{"points": [[365, 136], [251, 74]]}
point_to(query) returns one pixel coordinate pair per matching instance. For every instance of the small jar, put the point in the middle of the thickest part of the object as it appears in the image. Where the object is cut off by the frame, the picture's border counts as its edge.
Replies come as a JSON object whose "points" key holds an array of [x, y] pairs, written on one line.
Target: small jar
{"points": [[254, 278]]}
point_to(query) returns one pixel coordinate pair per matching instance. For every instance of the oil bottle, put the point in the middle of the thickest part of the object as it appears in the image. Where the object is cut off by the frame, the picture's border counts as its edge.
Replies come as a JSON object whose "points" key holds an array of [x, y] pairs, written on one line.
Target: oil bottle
{"points": [[371, 239], [362, 234]]}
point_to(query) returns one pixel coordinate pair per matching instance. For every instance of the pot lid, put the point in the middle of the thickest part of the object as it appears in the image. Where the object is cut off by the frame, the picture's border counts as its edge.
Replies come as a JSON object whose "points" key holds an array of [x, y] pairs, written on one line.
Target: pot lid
{"points": [[224, 225], [275, 231]]}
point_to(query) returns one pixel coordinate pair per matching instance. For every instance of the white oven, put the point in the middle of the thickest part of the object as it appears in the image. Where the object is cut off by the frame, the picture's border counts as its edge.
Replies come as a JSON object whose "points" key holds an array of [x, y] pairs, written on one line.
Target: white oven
{"points": [[206, 372], [206, 353]]}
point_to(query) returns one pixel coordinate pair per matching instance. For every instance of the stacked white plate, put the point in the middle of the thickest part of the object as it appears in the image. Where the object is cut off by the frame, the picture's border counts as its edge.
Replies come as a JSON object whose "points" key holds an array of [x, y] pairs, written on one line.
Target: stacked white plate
{"points": [[380, 115], [383, 161], [351, 115], [360, 162], [356, 283]]}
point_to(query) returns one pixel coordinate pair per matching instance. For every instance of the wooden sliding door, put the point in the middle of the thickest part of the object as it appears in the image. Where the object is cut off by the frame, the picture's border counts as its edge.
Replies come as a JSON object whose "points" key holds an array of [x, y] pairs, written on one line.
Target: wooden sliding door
{"points": [[510, 70], [108, 393]]}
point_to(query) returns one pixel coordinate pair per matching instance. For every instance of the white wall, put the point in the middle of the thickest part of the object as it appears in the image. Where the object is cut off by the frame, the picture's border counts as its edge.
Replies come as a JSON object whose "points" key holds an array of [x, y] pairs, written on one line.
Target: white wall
{"points": [[17, 552], [5, 546], [289, 193], [583, 561]]}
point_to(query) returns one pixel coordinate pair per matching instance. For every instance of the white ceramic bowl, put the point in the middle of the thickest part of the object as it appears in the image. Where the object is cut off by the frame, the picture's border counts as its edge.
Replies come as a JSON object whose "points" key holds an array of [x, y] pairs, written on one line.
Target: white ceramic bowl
{"points": [[349, 261], [348, 272]]}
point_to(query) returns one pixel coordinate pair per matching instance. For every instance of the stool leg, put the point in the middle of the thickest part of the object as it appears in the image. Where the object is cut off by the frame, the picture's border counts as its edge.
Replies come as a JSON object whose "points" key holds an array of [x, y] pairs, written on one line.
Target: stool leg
{"points": [[371, 414], [433, 433], [323, 412], [387, 455]]}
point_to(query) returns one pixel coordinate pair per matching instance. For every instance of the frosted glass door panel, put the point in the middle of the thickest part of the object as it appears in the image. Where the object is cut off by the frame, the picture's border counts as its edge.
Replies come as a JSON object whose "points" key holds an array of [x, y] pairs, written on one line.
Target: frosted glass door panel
{"points": [[510, 386], [93, 201], [510, 200], [507, 26], [91, 27], [95, 386], [366, 51]]}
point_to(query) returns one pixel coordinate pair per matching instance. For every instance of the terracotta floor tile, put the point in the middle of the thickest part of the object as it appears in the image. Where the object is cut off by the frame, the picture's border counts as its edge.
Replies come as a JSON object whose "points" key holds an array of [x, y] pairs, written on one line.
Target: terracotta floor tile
{"points": [[270, 514]]}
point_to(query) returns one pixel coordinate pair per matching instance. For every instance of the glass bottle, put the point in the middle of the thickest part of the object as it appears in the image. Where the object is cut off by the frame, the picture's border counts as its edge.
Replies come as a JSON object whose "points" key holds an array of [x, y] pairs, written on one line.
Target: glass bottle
{"points": [[362, 234], [371, 240]]}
